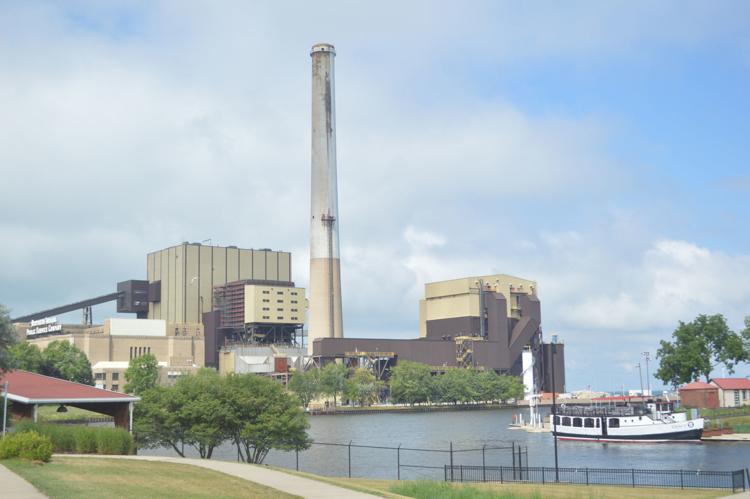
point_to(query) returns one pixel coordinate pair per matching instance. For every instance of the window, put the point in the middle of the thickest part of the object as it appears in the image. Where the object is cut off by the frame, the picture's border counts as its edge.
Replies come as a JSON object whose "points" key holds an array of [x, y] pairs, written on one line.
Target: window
{"points": [[115, 376], [597, 422], [736, 397], [279, 301], [131, 353], [588, 423], [148, 350], [577, 422], [99, 376], [115, 387], [294, 293], [279, 292], [294, 310], [566, 421], [279, 309], [266, 308], [266, 317], [614, 423], [265, 292], [279, 318], [265, 300], [294, 301], [294, 318], [104, 386]]}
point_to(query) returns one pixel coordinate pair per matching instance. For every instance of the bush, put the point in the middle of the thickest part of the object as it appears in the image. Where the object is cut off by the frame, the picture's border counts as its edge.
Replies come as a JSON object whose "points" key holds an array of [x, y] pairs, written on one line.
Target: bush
{"points": [[82, 439], [27, 445]]}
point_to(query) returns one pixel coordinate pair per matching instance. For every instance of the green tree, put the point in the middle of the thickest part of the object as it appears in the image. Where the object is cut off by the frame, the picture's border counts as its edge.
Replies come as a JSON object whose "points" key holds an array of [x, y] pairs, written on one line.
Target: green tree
{"points": [[203, 413], [333, 380], [306, 385], [458, 385], [411, 383], [262, 416], [142, 374], [511, 388], [363, 387], [27, 357], [697, 347], [7, 339], [157, 420], [64, 360]]}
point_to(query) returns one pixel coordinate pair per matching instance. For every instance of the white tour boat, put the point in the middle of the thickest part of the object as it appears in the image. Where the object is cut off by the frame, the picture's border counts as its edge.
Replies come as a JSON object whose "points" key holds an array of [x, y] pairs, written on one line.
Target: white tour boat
{"points": [[653, 421]]}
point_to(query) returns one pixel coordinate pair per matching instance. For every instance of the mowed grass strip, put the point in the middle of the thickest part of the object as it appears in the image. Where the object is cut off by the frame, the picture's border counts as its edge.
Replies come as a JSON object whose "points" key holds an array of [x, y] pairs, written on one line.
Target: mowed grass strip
{"points": [[73, 478], [444, 490]]}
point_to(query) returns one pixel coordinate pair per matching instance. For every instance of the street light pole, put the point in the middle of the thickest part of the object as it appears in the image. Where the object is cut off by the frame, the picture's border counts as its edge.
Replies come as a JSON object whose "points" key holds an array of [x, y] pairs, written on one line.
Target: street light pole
{"points": [[647, 358], [640, 375], [554, 408]]}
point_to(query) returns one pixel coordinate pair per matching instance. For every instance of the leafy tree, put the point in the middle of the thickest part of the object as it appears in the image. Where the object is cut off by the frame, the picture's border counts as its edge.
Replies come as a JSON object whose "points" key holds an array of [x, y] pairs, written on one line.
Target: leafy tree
{"points": [[142, 374], [306, 385], [7, 339], [333, 380], [363, 387], [27, 357], [262, 416], [511, 388], [411, 383], [157, 420], [64, 360], [458, 385], [697, 347]]}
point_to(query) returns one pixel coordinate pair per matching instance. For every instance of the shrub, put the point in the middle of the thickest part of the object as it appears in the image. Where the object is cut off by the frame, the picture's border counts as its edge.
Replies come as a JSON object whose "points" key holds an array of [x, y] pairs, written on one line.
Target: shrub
{"points": [[113, 441], [85, 439], [26, 445]]}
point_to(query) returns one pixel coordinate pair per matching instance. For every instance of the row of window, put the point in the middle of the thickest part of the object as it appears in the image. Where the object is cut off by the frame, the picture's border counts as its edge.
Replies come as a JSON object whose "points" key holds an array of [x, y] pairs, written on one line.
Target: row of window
{"points": [[585, 422], [267, 292], [103, 376], [114, 388], [138, 351]]}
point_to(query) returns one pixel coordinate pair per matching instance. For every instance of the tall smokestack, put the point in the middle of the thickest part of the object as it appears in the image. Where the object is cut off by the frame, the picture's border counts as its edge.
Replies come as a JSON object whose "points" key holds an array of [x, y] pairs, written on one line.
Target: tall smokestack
{"points": [[325, 265]]}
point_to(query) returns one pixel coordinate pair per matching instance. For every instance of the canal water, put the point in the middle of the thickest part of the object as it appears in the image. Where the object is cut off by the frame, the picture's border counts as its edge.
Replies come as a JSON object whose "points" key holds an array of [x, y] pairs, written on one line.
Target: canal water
{"points": [[473, 430]]}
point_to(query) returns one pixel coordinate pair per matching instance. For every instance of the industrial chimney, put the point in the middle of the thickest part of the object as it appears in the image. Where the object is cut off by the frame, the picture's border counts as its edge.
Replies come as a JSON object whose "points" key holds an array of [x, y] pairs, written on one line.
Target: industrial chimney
{"points": [[325, 267]]}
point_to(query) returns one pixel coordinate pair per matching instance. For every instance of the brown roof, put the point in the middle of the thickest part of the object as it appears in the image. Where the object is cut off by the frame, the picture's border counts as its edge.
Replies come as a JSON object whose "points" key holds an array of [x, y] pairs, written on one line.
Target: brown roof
{"points": [[732, 383], [32, 388], [698, 385]]}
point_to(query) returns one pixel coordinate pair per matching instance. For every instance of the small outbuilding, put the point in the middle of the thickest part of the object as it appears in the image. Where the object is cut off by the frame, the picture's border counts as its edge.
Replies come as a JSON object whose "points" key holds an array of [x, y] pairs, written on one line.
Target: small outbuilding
{"points": [[699, 395], [733, 392], [28, 391]]}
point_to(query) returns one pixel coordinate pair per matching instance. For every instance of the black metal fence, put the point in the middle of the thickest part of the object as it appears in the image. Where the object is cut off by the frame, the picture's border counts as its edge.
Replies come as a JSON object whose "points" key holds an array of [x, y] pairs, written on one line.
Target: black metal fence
{"points": [[682, 479], [349, 459]]}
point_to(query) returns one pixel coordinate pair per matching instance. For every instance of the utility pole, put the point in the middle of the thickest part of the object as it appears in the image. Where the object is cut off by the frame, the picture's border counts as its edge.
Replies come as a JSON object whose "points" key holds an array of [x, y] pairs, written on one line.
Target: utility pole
{"points": [[647, 358]]}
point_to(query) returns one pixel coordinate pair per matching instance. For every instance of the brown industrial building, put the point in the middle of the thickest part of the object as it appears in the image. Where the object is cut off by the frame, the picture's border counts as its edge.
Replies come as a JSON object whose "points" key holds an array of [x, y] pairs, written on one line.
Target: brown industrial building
{"points": [[481, 322], [700, 395]]}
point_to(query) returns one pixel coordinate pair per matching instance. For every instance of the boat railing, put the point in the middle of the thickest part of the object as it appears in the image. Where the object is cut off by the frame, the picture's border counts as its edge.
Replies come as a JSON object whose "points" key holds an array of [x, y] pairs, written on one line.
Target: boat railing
{"points": [[601, 411]]}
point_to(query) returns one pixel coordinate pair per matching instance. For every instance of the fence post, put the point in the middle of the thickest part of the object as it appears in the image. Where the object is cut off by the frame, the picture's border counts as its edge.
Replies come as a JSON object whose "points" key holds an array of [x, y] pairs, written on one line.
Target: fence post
{"points": [[632, 471], [543, 469], [350, 458], [682, 481], [451, 451], [296, 455], [484, 467], [398, 462], [461, 472], [587, 476], [520, 464], [513, 455], [501, 474]]}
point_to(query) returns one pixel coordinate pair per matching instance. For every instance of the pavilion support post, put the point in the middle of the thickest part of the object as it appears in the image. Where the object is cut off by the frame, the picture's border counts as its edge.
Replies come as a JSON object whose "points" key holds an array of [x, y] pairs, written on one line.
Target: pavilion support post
{"points": [[130, 417], [36, 412]]}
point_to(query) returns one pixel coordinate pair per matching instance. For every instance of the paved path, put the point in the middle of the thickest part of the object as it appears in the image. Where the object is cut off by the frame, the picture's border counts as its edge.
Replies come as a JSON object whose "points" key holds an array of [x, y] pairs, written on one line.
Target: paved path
{"points": [[13, 486], [286, 482]]}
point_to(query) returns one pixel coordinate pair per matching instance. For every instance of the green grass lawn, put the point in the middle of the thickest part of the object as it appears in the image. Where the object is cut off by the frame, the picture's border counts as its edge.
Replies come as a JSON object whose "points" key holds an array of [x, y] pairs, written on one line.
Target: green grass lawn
{"points": [[444, 490], [49, 413], [69, 477]]}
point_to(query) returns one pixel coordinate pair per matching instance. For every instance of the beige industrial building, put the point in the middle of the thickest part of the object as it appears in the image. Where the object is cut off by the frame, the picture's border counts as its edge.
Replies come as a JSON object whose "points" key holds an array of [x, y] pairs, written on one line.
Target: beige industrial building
{"points": [[178, 348], [182, 278]]}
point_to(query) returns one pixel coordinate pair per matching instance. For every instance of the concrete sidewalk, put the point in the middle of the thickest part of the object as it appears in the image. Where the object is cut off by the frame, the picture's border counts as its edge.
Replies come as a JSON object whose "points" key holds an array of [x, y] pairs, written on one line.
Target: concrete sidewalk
{"points": [[286, 482], [13, 486]]}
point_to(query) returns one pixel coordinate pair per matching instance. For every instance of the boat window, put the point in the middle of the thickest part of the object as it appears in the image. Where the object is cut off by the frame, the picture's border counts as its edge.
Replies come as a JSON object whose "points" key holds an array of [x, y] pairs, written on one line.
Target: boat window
{"points": [[566, 421], [588, 423], [577, 422], [597, 422], [614, 422]]}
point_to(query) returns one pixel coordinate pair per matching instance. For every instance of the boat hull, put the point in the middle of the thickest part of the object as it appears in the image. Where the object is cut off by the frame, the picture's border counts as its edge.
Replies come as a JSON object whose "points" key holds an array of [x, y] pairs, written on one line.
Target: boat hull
{"points": [[680, 436]]}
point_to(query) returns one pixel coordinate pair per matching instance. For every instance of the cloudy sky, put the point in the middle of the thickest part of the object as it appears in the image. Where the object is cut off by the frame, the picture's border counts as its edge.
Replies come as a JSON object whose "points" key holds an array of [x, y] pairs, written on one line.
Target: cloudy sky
{"points": [[600, 148]]}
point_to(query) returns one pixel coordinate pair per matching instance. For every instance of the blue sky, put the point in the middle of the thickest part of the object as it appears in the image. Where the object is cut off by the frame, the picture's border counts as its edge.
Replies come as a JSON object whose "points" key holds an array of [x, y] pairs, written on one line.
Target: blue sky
{"points": [[598, 148]]}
